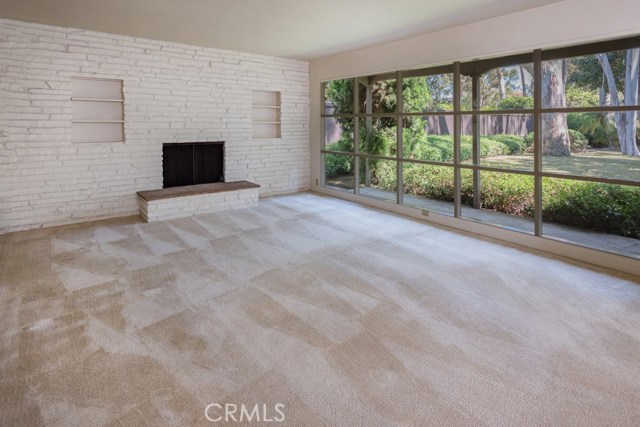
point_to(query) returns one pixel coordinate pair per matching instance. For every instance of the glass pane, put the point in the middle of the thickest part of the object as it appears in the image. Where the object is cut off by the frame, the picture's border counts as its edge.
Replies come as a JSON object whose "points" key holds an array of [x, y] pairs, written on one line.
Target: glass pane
{"points": [[428, 138], [338, 134], [600, 216], [597, 80], [507, 88], [502, 88], [427, 93], [428, 187], [591, 144], [378, 97], [504, 199], [378, 178], [506, 140], [378, 136], [338, 97], [339, 171], [466, 101]]}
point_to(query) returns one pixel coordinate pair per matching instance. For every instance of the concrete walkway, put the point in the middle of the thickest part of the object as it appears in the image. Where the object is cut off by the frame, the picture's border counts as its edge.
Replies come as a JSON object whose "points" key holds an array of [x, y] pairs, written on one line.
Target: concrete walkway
{"points": [[601, 241]]}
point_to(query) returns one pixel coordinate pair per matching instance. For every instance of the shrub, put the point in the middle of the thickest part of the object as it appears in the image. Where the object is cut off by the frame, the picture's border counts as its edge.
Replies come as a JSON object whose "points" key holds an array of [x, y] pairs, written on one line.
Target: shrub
{"points": [[528, 140], [434, 182], [579, 142], [383, 174], [439, 148], [514, 142], [515, 103], [511, 194], [600, 132], [381, 141], [602, 207], [434, 154], [577, 97], [336, 165], [491, 148]]}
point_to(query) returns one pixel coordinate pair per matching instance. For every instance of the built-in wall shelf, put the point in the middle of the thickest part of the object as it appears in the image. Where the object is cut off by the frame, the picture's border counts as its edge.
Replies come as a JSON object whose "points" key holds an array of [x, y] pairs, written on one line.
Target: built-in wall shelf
{"points": [[266, 114], [97, 121], [97, 100], [267, 106], [97, 110]]}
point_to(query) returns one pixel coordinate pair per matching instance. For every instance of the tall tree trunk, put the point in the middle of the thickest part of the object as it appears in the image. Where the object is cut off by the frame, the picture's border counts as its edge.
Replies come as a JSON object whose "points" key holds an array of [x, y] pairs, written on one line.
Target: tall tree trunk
{"points": [[605, 99], [618, 117], [631, 75], [523, 81], [555, 133], [603, 91], [501, 84], [626, 130]]}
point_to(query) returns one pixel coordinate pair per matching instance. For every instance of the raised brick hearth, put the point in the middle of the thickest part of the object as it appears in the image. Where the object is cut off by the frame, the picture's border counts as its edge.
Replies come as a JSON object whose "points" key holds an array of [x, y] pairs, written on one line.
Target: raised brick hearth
{"points": [[190, 200]]}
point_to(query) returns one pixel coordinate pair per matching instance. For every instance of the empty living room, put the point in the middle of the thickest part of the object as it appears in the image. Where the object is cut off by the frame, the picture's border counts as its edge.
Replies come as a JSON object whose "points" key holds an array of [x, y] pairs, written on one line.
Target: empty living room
{"points": [[319, 213]]}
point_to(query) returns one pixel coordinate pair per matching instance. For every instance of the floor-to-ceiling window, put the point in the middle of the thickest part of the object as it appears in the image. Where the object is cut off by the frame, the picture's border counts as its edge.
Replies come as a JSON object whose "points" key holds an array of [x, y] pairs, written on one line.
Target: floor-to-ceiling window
{"points": [[544, 143]]}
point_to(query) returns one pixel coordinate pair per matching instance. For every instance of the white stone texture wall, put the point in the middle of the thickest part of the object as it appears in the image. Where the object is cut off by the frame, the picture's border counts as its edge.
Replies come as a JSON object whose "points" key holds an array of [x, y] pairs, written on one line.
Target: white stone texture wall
{"points": [[172, 93]]}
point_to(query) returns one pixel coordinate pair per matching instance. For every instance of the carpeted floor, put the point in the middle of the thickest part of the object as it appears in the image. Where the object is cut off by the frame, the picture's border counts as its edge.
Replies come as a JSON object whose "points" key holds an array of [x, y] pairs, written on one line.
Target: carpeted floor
{"points": [[346, 315]]}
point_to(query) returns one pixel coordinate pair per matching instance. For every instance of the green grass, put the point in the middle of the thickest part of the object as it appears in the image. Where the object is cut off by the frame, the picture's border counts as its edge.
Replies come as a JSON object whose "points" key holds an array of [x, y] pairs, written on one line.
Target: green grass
{"points": [[596, 163]]}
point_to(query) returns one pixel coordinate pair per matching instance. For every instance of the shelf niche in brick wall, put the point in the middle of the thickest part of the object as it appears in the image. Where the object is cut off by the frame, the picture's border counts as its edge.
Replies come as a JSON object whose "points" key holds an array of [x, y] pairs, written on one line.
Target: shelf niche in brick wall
{"points": [[266, 114], [97, 110]]}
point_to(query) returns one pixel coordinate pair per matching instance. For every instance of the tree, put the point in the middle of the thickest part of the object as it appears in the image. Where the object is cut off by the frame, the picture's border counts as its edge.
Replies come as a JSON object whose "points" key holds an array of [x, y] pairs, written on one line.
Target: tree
{"points": [[586, 72], [625, 120], [498, 84], [526, 76], [340, 94], [377, 134], [441, 92], [555, 133]]}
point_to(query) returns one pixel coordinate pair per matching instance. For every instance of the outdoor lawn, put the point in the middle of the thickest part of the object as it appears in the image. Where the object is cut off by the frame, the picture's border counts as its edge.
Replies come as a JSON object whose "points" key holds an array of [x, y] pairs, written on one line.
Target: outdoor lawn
{"points": [[596, 163]]}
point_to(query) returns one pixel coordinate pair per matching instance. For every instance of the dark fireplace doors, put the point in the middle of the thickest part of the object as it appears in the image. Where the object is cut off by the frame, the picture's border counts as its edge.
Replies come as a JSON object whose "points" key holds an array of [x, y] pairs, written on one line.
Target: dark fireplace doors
{"points": [[189, 163]]}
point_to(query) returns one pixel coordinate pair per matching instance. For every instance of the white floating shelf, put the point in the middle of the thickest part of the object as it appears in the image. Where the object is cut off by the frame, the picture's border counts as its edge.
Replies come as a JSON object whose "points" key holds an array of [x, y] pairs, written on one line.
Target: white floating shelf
{"points": [[97, 100], [97, 121]]}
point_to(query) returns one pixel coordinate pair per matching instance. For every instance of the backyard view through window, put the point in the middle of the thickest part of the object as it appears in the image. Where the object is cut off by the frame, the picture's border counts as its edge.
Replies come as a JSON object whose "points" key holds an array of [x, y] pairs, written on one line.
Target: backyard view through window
{"points": [[544, 143]]}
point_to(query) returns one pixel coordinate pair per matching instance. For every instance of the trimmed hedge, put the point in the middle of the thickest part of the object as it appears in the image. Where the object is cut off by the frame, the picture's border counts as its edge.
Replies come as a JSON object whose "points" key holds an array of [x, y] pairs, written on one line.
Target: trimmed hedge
{"points": [[612, 209], [439, 148]]}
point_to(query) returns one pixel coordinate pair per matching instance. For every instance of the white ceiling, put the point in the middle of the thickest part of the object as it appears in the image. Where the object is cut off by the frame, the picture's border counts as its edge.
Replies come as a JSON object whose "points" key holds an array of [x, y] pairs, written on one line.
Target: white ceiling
{"points": [[301, 29]]}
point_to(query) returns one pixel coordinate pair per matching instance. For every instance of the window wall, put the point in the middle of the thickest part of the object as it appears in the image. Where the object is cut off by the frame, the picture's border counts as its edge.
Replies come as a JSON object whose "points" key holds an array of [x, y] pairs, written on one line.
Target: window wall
{"points": [[543, 143]]}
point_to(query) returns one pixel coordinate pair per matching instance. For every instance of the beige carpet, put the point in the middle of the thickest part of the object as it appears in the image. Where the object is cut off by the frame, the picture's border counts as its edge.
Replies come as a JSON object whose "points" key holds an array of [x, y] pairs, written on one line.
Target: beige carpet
{"points": [[346, 315]]}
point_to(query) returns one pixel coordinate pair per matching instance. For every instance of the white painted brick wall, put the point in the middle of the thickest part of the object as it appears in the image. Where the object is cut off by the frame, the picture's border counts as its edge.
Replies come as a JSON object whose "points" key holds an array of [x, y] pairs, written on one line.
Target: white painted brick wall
{"points": [[197, 204], [173, 93]]}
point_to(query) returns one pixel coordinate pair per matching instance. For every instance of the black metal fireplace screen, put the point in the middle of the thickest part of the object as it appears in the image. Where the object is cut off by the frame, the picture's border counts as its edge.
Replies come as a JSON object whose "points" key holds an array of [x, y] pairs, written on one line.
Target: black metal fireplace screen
{"points": [[191, 163]]}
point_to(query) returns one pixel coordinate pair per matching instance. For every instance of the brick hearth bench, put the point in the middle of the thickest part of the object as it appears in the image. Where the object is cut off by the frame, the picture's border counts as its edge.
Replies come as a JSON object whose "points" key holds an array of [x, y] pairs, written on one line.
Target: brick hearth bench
{"points": [[179, 202]]}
